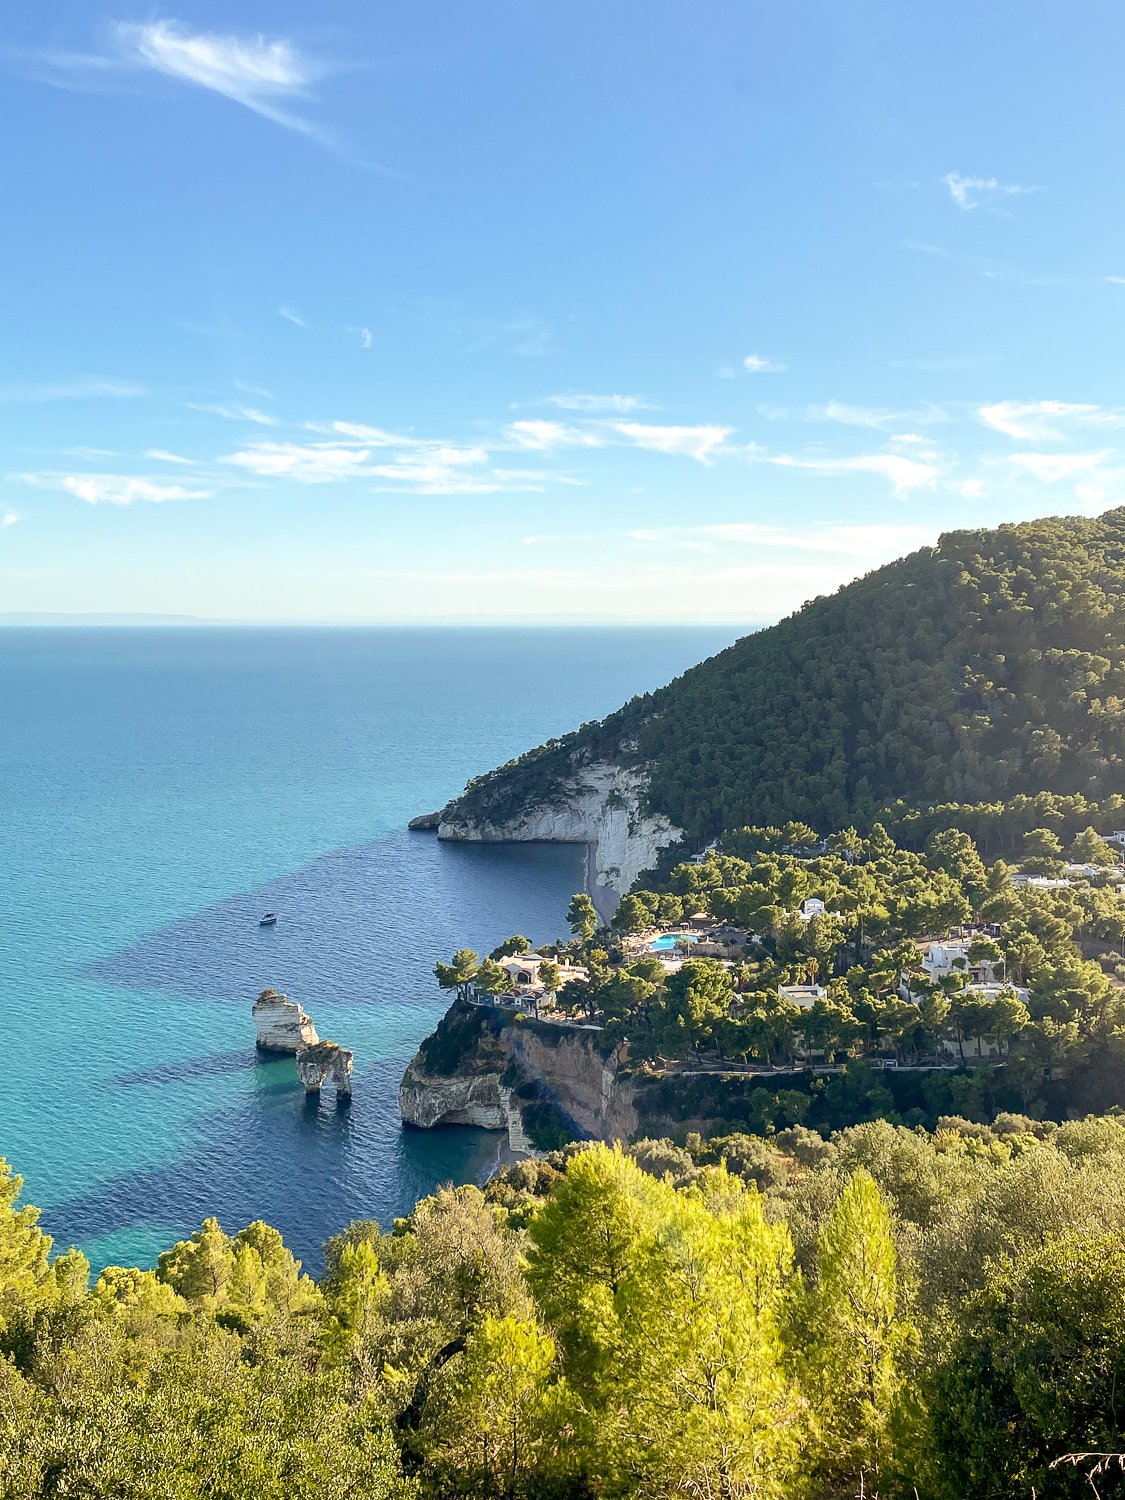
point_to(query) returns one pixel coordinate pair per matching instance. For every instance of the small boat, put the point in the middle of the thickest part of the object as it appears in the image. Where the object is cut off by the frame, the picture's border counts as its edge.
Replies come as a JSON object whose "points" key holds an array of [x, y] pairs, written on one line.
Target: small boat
{"points": [[269, 920]]}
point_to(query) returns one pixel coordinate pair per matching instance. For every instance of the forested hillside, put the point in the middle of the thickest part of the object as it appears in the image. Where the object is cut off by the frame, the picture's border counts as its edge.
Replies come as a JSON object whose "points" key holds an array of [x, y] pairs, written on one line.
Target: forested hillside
{"points": [[989, 666], [891, 1313]]}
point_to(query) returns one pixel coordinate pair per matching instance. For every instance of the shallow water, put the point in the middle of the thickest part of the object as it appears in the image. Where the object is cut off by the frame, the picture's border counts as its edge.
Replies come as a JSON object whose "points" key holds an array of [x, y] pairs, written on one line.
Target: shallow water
{"points": [[159, 791]]}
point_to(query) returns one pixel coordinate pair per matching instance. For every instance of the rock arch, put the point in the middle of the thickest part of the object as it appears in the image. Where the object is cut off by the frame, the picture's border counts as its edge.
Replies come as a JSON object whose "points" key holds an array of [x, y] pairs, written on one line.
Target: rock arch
{"points": [[322, 1062]]}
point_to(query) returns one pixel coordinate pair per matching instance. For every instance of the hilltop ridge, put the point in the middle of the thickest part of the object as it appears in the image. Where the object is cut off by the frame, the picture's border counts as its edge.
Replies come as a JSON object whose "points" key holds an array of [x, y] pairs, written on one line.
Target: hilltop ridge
{"points": [[989, 666]]}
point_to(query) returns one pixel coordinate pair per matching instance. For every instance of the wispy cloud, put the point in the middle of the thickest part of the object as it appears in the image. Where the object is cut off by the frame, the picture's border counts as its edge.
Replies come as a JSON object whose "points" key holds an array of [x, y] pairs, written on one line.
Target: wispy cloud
{"points": [[759, 364], [291, 317], [125, 489], [923, 248], [877, 418], [1116, 280], [450, 472], [235, 413], [1052, 467], [162, 455], [84, 388], [1039, 421], [9, 518], [306, 463], [982, 192], [259, 73], [418, 466], [544, 436], [362, 435], [699, 442], [366, 338], [903, 474], [588, 402], [991, 270]]}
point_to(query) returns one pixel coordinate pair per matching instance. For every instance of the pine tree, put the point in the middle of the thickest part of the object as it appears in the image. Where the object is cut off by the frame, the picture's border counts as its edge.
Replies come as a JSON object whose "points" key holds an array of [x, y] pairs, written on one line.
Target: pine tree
{"points": [[850, 1335]]}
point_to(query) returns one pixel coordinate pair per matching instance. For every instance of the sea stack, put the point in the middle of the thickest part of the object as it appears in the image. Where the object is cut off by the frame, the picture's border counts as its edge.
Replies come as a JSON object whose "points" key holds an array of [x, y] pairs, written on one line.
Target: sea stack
{"points": [[325, 1060], [282, 1024]]}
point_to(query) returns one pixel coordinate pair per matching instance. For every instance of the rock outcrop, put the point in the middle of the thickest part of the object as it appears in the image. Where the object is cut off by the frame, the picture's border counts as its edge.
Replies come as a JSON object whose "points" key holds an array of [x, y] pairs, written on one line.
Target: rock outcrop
{"points": [[545, 1084], [425, 822], [325, 1062], [598, 803], [541, 1082], [282, 1024]]}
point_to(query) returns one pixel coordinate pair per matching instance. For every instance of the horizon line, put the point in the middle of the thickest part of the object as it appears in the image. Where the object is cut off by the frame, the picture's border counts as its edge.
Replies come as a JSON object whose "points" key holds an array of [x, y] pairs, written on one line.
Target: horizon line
{"points": [[92, 620]]}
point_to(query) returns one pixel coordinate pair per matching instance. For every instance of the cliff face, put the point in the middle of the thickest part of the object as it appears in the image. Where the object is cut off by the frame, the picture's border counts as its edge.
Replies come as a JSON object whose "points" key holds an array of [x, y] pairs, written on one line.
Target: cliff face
{"points": [[597, 803], [542, 1083], [546, 1085], [282, 1024]]}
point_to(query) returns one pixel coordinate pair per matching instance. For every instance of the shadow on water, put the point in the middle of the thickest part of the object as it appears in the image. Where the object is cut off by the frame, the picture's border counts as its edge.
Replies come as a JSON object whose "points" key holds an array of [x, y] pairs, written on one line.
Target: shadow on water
{"points": [[358, 933], [285, 1160], [189, 1069], [359, 926]]}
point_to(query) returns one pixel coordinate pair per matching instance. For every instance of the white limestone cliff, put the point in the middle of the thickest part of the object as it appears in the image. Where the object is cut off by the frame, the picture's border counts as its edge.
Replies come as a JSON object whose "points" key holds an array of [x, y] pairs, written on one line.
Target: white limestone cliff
{"points": [[599, 804], [426, 1100], [487, 1070], [282, 1024]]}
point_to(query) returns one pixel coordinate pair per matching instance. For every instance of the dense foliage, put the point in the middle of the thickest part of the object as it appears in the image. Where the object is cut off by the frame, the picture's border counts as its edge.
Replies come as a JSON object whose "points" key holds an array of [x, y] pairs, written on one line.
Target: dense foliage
{"points": [[1051, 953], [888, 1312], [817, 958], [990, 666]]}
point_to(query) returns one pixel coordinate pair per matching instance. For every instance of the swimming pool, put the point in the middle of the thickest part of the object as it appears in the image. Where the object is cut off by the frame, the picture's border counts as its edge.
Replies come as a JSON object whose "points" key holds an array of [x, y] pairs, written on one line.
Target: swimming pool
{"points": [[668, 940]]}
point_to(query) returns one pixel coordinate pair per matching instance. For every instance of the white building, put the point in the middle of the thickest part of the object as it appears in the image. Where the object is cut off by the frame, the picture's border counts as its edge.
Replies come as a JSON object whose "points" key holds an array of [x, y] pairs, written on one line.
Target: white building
{"points": [[704, 853], [945, 956], [992, 990], [803, 996], [523, 968], [985, 1046]]}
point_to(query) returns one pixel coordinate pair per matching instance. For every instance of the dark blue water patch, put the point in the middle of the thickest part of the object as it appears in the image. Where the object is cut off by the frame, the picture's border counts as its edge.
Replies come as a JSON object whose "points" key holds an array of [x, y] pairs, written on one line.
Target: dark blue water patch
{"points": [[362, 925], [187, 1070], [357, 936], [304, 1165]]}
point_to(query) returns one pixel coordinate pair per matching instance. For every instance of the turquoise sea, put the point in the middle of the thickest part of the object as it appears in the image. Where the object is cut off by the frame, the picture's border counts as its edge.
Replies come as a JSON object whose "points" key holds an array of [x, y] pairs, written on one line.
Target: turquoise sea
{"points": [[159, 790]]}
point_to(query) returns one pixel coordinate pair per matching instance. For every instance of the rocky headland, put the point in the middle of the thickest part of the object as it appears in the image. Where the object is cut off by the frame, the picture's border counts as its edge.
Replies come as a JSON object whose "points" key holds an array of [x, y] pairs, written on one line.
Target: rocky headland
{"points": [[541, 1082], [424, 822], [594, 802], [544, 1083]]}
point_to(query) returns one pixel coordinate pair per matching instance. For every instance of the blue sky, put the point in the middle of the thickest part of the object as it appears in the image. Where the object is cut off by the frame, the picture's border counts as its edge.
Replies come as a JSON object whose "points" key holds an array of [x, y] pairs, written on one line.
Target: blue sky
{"points": [[596, 311]]}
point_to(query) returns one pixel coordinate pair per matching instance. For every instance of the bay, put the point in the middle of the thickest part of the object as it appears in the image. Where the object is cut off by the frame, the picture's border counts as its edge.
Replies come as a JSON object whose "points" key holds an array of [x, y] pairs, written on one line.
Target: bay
{"points": [[160, 788]]}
